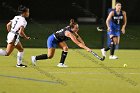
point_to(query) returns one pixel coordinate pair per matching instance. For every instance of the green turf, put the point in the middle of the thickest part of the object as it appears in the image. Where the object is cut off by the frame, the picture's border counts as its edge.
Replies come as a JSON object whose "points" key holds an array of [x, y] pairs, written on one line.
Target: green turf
{"points": [[89, 34], [84, 75]]}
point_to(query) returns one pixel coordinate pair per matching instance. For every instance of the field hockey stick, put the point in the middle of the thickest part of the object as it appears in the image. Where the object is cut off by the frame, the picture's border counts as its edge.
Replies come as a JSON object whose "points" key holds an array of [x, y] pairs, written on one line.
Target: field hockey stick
{"points": [[101, 29], [128, 35], [34, 38], [97, 56], [31, 38]]}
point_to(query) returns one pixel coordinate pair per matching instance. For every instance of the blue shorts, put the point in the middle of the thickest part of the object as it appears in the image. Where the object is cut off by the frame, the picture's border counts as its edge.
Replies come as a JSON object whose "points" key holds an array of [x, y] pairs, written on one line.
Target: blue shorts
{"points": [[52, 42], [114, 30]]}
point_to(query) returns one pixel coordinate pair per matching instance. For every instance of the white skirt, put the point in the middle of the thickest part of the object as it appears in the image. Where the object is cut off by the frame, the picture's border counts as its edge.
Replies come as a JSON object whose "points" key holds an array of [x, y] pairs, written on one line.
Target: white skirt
{"points": [[12, 37]]}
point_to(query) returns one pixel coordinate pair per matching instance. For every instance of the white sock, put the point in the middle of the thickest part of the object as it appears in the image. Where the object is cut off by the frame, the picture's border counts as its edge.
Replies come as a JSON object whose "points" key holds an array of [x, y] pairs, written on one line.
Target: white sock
{"points": [[19, 57], [3, 52]]}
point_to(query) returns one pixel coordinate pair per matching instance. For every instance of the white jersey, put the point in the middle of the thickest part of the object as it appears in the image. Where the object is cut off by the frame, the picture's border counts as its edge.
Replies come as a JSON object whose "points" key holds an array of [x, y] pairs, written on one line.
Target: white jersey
{"points": [[13, 35], [17, 22]]}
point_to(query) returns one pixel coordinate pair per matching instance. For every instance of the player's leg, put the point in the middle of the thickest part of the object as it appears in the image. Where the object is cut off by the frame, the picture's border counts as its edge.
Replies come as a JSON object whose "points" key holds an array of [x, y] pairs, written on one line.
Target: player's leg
{"points": [[20, 54], [117, 45], [64, 47], [8, 51], [50, 54], [11, 38], [51, 44], [104, 50], [114, 40]]}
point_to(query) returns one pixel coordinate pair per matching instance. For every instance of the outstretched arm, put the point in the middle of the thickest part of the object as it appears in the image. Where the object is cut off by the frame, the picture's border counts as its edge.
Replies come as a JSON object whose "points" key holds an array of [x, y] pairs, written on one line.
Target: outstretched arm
{"points": [[73, 38], [79, 38]]}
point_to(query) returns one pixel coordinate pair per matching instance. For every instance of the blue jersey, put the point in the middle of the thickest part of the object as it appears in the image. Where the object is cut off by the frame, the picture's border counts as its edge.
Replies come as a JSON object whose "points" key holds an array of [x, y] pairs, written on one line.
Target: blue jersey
{"points": [[115, 23], [117, 18]]}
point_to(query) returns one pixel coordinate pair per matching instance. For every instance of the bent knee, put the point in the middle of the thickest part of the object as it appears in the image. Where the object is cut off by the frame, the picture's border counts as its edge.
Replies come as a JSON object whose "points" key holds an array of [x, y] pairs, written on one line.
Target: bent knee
{"points": [[50, 56], [8, 54], [21, 50], [65, 48]]}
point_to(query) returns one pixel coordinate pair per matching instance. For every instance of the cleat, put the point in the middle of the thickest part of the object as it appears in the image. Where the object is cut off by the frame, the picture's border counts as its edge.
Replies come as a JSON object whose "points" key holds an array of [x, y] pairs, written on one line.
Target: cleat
{"points": [[33, 60], [103, 52], [62, 65], [113, 57], [21, 65]]}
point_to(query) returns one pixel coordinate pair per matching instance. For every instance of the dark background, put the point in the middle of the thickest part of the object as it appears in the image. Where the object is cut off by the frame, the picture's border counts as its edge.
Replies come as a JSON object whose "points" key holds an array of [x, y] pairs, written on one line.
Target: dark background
{"points": [[51, 10], [49, 16]]}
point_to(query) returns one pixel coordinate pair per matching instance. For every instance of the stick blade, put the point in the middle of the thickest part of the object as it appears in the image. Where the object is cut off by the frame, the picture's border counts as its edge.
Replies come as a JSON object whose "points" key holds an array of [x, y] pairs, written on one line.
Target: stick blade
{"points": [[103, 58]]}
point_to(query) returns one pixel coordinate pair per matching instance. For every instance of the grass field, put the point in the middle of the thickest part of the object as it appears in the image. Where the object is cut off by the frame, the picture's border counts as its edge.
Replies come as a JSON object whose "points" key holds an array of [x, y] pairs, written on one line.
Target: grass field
{"points": [[88, 32], [85, 73]]}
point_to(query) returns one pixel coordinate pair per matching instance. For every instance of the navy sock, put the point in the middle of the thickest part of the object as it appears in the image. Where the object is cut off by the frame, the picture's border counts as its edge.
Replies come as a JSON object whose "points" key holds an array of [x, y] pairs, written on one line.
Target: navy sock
{"points": [[112, 49], [108, 48], [63, 57], [41, 57]]}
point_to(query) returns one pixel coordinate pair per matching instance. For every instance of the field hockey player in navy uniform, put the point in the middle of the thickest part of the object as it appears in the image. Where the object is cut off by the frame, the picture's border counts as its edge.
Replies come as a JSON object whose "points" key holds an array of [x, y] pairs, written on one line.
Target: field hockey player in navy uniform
{"points": [[58, 38]]}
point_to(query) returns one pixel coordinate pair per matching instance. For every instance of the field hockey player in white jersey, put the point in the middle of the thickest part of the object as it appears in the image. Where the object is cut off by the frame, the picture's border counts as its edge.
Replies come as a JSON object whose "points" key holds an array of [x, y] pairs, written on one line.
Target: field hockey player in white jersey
{"points": [[15, 29]]}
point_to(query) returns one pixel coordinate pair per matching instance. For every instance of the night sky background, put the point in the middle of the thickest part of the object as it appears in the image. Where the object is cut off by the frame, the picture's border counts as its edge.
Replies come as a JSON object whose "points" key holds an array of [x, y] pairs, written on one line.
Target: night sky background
{"points": [[51, 10]]}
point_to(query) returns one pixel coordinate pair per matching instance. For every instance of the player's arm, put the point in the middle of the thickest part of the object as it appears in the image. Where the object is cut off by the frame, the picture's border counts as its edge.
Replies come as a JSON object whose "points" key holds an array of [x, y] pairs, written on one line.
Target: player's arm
{"points": [[8, 26], [124, 22], [22, 34], [73, 38], [79, 38], [109, 19]]}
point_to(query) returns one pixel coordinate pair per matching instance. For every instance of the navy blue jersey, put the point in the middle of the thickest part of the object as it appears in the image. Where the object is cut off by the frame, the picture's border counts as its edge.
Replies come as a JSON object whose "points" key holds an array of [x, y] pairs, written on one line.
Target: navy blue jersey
{"points": [[60, 35], [117, 18]]}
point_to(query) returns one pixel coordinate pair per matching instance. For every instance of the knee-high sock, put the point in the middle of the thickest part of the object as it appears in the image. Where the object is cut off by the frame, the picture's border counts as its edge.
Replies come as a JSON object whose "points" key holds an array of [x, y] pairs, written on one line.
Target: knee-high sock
{"points": [[63, 56], [3, 52], [41, 57], [108, 48], [19, 57], [112, 49]]}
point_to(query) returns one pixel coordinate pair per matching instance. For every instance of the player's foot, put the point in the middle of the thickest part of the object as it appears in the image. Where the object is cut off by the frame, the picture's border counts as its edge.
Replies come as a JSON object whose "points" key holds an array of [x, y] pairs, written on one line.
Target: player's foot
{"points": [[103, 52], [113, 57], [33, 60], [62, 65], [21, 65]]}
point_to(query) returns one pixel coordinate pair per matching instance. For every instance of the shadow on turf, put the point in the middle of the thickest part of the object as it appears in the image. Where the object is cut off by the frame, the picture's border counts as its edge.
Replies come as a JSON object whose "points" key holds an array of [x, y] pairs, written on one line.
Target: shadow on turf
{"points": [[108, 67], [30, 79]]}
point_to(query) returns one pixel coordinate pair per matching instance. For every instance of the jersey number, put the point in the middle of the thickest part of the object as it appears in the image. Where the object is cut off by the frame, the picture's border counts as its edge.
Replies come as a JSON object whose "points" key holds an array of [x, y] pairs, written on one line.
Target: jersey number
{"points": [[118, 21], [15, 25], [60, 31]]}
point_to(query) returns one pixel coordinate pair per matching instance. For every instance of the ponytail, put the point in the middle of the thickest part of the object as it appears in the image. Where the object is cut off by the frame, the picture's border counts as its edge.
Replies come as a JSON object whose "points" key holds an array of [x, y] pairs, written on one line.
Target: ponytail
{"points": [[22, 9], [72, 23]]}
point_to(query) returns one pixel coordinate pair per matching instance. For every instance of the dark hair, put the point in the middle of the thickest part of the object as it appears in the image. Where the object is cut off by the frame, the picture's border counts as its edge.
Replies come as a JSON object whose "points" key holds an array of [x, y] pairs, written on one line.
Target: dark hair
{"points": [[72, 23], [22, 9], [117, 3]]}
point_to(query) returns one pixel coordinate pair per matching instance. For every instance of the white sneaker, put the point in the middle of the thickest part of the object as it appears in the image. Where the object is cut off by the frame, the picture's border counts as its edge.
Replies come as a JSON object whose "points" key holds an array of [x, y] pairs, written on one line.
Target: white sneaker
{"points": [[103, 52], [113, 57], [62, 65], [33, 60]]}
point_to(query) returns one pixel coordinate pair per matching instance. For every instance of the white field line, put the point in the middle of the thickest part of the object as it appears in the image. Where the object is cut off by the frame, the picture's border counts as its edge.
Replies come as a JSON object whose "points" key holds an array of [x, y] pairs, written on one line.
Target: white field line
{"points": [[131, 73]]}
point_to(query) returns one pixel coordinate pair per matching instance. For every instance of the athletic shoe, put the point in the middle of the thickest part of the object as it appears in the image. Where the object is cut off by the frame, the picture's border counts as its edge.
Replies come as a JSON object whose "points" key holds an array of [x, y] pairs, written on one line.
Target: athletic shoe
{"points": [[21, 65], [62, 65], [113, 57], [103, 52], [33, 60]]}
